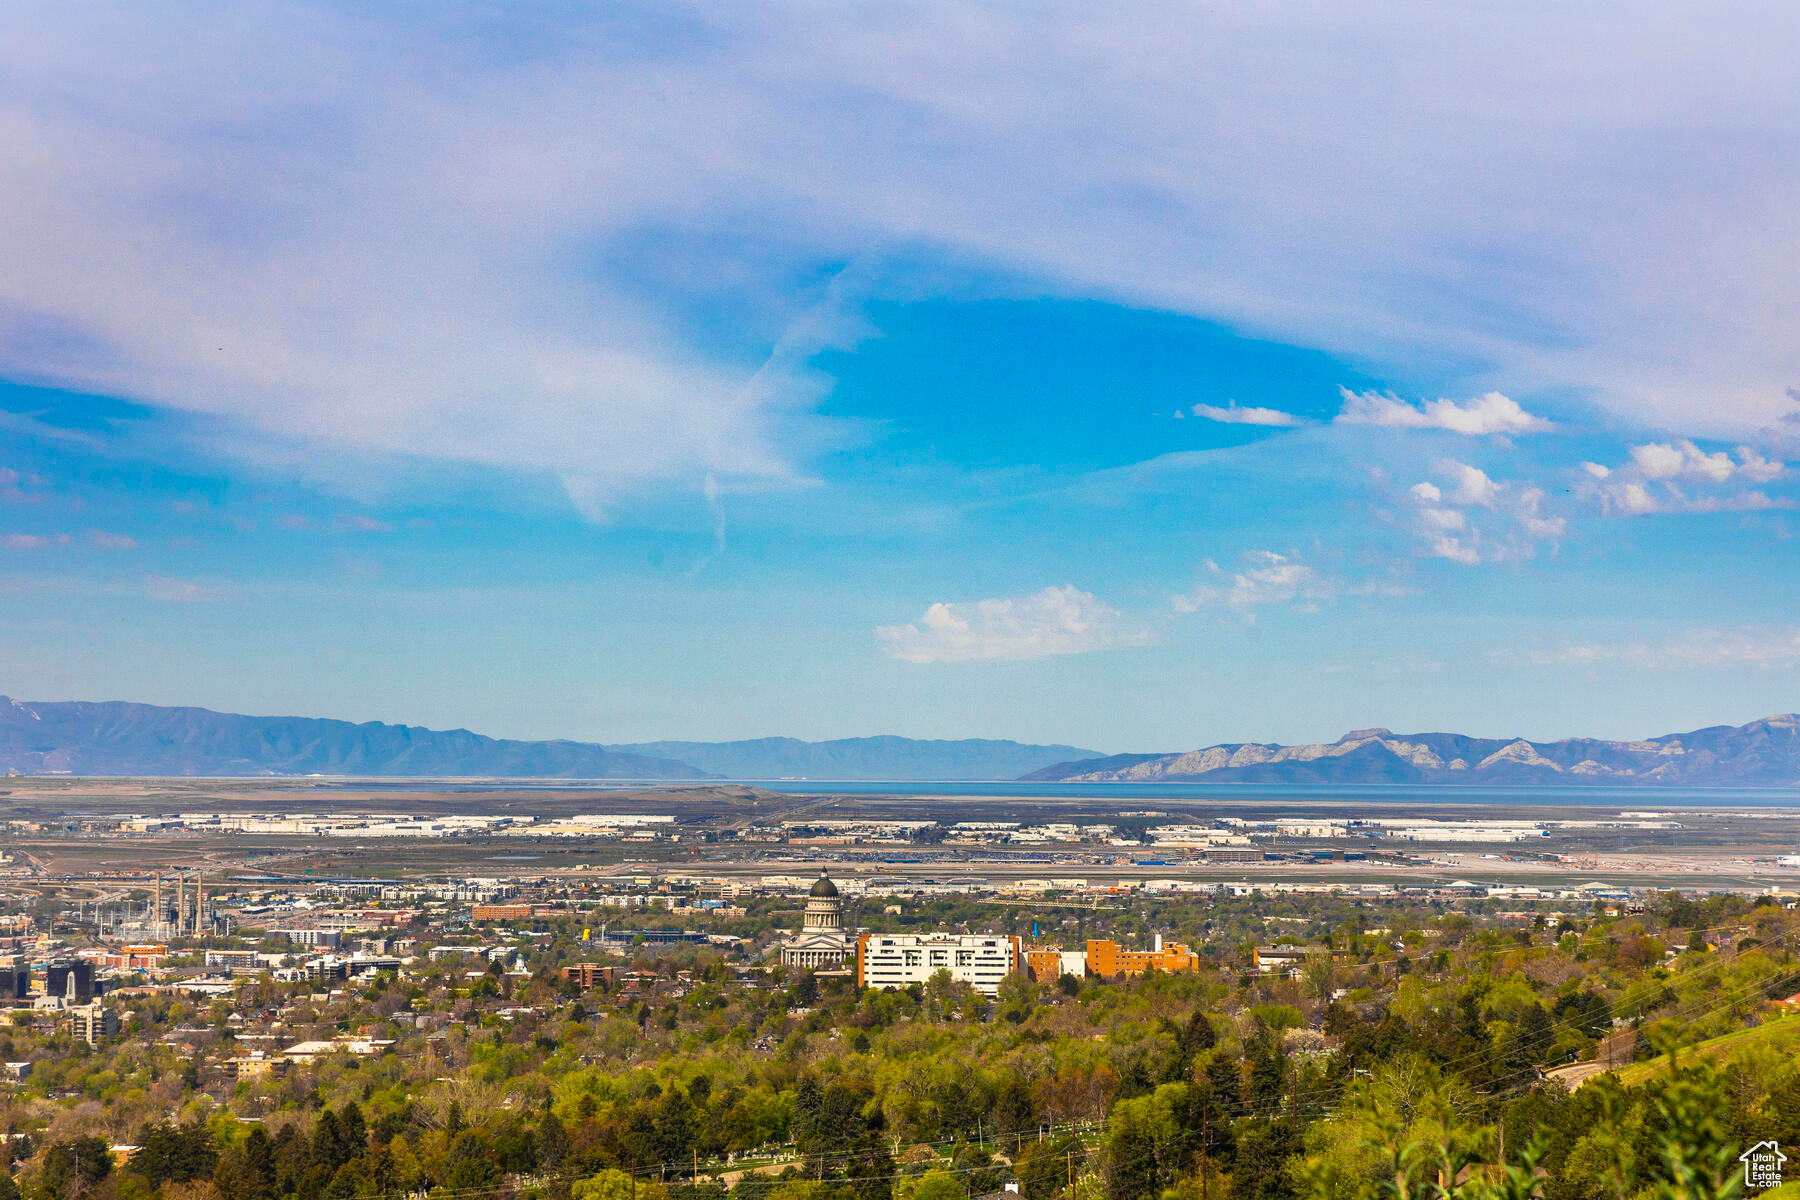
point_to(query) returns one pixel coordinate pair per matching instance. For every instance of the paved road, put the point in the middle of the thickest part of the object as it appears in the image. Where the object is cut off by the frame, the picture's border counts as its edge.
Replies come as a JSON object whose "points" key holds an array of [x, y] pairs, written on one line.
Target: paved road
{"points": [[1576, 1074]]}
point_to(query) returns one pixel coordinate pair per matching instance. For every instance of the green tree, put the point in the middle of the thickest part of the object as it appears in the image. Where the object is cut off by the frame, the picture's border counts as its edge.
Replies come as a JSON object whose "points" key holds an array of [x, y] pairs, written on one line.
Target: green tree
{"points": [[552, 1142], [937, 1184], [467, 1167], [1264, 1147], [72, 1167], [181, 1153], [610, 1184]]}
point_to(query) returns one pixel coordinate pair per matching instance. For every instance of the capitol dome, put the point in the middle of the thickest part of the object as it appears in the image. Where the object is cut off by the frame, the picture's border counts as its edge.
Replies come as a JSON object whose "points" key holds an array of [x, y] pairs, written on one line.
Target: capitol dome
{"points": [[821, 943]]}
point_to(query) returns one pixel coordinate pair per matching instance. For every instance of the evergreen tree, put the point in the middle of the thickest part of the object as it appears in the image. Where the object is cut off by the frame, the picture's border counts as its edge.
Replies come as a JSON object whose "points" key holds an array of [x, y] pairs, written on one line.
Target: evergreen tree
{"points": [[1224, 1079], [552, 1142], [467, 1166]]}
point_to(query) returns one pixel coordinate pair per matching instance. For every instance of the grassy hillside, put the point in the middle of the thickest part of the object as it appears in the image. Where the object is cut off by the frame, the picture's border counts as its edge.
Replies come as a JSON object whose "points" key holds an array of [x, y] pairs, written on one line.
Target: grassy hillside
{"points": [[1781, 1034]]}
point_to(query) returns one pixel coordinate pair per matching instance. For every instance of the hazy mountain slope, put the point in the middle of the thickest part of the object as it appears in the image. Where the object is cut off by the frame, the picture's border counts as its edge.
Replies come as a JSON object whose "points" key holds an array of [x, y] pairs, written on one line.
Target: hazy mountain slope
{"points": [[115, 738], [1761, 753], [861, 758]]}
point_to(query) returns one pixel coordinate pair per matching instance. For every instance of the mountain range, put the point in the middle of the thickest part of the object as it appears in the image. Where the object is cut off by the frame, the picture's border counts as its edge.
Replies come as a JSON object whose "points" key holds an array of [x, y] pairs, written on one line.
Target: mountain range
{"points": [[117, 738], [862, 758], [1763, 753]]}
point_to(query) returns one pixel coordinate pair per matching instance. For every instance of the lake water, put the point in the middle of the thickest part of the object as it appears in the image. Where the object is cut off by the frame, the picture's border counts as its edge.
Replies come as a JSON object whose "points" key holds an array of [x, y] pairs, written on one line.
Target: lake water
{"points": [[1141, 795]]}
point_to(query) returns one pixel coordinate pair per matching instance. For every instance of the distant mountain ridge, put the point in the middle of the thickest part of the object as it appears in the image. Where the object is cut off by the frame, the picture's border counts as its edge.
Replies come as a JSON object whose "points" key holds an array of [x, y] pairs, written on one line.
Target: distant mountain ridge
{"points": [[1763, 753], [864, 758], [120, 738]]}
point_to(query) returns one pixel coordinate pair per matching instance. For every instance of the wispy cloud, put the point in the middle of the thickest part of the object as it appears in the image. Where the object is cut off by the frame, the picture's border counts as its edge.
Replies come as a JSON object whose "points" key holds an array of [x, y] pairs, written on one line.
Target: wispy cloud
{"points": [[322, 240], [1232, 414], [1491, 413], [1763, 647], [103, 540], [1057, 620], [13, 485], [180, 591], [1266, 578]]}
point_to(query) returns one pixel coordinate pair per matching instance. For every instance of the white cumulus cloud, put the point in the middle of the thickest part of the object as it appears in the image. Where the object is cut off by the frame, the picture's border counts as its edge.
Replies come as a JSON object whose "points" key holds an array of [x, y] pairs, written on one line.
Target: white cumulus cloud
{"points": [[1456, 550], [1509, 517], [1684, 460], [1756, 468], [1057, 620], [1486, 414], [1528, 505], [1680, 477], [1246, 415], [1469, 485]]}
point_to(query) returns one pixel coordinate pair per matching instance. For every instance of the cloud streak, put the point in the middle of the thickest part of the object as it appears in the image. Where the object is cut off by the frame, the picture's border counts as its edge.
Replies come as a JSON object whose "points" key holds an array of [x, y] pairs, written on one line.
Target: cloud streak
{"points": [[411, 233], [170, 590], [1488, 414], [1757, 647], [1232, 414]]}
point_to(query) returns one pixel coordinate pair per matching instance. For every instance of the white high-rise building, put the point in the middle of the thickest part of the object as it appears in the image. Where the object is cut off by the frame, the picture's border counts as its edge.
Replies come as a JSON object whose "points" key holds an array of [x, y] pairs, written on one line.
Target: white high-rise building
{"points": [[980, 960]]}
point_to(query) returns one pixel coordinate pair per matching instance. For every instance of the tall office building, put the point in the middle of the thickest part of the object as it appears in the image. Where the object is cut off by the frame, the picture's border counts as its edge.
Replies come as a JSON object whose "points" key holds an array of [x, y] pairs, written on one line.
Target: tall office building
{"points": [[980, 960]]}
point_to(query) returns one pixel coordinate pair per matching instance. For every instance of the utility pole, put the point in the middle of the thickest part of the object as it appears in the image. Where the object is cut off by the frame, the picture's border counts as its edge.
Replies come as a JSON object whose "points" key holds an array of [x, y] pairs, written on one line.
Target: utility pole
{"points": [[1294, 1112], [1205, 1134]]}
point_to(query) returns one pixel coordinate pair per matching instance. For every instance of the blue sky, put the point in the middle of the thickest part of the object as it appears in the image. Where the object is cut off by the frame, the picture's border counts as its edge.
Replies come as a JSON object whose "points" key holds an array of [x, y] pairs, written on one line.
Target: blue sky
{"points": [[1218, 374]]}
